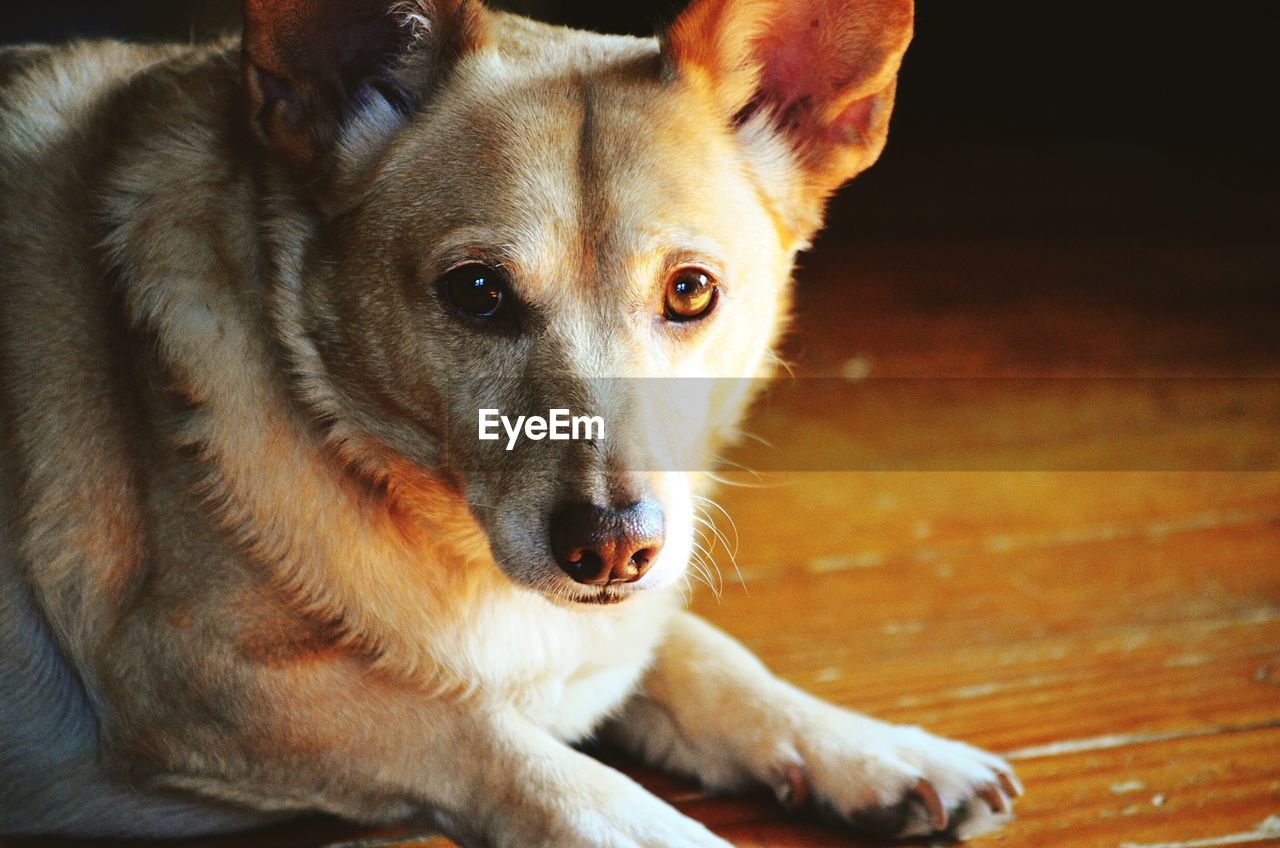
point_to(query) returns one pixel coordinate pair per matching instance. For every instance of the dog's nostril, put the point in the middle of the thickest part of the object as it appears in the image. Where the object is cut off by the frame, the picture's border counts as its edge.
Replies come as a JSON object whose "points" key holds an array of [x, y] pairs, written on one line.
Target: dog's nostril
{"points": [[597, 546], [642, 558], [584, 566]]}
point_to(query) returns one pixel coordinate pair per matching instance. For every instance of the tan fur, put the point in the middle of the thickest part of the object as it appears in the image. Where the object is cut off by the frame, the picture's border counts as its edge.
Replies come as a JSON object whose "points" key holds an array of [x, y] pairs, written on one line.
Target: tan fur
{"points": [[244, 536]]}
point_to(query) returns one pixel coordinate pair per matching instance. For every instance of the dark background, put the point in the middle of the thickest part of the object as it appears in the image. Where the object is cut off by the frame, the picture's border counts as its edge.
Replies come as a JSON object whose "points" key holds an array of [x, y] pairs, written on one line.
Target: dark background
{"points": [[1123, 116]]}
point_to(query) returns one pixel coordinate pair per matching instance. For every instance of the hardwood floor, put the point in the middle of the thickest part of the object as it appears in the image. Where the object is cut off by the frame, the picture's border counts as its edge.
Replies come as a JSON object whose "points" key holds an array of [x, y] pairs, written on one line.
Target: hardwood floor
{"points": [[1100, 602]]}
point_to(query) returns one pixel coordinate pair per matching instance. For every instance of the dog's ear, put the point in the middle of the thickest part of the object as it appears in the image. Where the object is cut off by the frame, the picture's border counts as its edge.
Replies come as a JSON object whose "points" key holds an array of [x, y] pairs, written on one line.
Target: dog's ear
{"points": [[818, 74], [313, 67]]}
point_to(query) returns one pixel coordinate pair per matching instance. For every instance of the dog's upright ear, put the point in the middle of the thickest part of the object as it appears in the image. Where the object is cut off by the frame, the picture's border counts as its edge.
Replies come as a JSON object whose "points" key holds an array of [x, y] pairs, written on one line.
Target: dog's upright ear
{"points": [[313, 68], [819, 75]]}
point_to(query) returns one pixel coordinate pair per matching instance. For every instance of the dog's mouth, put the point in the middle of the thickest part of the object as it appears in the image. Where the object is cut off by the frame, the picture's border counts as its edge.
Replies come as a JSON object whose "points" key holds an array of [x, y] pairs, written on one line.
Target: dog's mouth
{"points": [[603, 598], [575, 597]]}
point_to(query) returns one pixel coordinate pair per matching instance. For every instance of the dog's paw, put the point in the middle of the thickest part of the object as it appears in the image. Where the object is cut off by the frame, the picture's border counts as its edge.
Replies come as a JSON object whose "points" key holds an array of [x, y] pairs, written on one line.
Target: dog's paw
{"points": [[893, 781]]}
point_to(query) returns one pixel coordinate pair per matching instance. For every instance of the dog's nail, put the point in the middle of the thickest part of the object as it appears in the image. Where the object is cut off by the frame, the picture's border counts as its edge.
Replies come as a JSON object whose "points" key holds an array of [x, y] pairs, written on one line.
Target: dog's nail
{"points": [[932, 804], [995, 800], [1010, 785], [793, 792]]}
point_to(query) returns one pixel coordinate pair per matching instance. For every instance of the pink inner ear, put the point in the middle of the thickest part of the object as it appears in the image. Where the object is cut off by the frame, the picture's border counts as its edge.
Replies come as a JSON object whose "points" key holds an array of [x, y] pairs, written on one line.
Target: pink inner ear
{"points": [[798, 90], [791, 70], [793, 74], [855, 121], [815, 55]]}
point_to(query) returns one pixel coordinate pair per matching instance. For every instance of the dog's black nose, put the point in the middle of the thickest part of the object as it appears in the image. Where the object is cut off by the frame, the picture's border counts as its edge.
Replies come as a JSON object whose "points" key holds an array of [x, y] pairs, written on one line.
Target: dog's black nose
{"points": [[598, 546]]}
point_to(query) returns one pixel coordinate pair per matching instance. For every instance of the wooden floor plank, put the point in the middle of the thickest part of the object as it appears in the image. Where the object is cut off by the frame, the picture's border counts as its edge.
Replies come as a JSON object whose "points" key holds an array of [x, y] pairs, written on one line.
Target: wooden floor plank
{"points": [[848, 519]]}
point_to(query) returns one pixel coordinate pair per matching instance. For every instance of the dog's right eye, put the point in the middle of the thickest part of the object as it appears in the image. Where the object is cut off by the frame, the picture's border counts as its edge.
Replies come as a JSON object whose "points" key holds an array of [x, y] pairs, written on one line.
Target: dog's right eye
{"points": [[691, 295], [477, 290]]}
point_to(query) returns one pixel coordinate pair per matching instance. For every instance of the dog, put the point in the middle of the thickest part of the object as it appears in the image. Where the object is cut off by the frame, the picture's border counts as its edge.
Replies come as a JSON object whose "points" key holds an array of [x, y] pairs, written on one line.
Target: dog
{"points": [[261, 557]]}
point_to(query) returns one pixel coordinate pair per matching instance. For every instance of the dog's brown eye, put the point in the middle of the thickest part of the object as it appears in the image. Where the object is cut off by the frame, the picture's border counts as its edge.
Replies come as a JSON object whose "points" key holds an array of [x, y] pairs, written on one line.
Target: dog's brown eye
{"points": [[691, 294], [478, 290]]}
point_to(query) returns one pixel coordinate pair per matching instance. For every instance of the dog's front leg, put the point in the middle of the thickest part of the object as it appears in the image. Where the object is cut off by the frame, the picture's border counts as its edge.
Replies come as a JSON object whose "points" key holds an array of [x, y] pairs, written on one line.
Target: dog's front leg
{"points": [[709, 709], [536, 792], [477, 770]]}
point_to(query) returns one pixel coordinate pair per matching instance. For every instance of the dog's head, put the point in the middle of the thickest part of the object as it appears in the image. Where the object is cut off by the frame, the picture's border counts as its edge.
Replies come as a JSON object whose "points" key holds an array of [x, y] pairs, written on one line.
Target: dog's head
{"points": [[513, 217]]}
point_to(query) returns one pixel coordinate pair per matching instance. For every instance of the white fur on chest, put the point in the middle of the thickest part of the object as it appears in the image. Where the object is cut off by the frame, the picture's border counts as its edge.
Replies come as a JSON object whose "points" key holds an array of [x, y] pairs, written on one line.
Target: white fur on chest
{"points": [[564, 668]]}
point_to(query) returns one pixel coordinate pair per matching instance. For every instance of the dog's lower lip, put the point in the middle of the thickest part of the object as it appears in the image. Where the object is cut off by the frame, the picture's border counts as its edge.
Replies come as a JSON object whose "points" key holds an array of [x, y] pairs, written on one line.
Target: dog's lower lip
{"points": [[604, 598]]}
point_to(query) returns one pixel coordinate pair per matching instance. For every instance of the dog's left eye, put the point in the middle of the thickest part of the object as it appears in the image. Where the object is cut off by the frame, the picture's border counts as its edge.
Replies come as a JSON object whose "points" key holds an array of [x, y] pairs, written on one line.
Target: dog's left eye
{"points": [[691, 294], [477, 290]]}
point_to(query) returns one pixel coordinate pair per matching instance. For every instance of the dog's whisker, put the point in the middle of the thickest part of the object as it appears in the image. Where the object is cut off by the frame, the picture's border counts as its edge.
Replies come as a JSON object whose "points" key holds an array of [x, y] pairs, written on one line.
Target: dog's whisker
{"points": [[698, 565], [710, 568], [709, 542], [702, 534], [733, 525], [731, 549], [755, 437], [707, 577], [717, 539], [687, 584], [781, 363], [732, 484], [696, 562], [736, 466]]}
